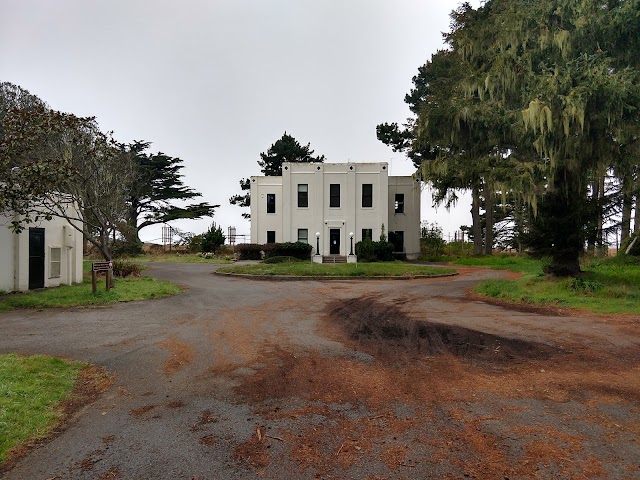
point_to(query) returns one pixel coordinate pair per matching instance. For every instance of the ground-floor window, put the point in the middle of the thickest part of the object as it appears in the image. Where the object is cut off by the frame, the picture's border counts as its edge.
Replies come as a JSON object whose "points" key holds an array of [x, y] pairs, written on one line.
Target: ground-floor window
{"points": [[271, 236], [367, 233], [55, 261], [303, 235], [397, 238]]}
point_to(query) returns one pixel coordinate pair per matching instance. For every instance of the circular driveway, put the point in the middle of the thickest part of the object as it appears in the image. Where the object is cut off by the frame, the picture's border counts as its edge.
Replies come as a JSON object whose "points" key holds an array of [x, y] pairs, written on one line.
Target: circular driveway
{"points": [[235, 379]]}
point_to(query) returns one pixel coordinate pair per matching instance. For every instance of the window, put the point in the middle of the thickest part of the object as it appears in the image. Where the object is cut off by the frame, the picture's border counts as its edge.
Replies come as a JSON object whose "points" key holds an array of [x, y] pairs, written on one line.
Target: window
{"points": [[303, 195], [55, 260], [367, 233], [367, 195], [271, 203], [399, 208], [334, 195], [303, 235], [397, 238], [271, 236]]}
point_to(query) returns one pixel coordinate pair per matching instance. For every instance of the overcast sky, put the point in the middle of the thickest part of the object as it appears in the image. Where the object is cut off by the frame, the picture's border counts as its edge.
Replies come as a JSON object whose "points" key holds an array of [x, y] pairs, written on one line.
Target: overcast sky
{"points": [[216, 83]]}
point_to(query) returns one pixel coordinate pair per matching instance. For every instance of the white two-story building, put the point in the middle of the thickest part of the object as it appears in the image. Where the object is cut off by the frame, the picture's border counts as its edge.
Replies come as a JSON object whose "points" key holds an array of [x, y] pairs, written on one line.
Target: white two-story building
{"points": [[324, 203]]}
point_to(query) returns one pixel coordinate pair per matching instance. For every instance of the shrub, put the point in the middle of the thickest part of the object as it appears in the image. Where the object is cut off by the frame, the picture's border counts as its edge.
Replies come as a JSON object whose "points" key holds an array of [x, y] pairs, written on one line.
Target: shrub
{"points": [[249, 251], [365, 251], [369, 251], [125, 268], [383, 251], [431, 241], [212, 238], [299, 250]]}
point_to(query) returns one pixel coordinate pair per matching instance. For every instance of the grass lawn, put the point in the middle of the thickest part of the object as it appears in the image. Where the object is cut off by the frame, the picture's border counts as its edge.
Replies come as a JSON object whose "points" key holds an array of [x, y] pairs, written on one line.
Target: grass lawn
{"points": [[306, 268], [180, 258], [608, 285], [126, 290], [31, 388]]}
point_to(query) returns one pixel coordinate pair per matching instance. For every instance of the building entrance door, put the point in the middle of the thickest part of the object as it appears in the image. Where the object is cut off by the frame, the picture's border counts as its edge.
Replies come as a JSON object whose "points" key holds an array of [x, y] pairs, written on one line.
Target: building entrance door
{"points": [[334, 241], [36, 258]]}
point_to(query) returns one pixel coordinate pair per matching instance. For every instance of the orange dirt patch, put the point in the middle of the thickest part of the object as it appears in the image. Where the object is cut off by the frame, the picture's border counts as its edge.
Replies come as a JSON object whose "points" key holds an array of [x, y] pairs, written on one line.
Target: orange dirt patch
{"points": [[137, 412], [434, 374], [254, 451], [181, 355], [208, 440]]}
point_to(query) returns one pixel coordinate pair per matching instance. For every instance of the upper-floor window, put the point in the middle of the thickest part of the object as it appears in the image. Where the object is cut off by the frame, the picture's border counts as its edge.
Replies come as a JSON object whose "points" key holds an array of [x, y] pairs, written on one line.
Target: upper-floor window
{"points": [[271, 236], [367, 195], [334, 195], [399, 206], [271, 203], [303, 195]]}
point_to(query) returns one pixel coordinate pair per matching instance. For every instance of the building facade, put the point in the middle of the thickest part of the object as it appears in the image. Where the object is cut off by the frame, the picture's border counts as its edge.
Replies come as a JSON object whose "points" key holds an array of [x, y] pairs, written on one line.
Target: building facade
{"points": [[45, 254], [323, 203]]}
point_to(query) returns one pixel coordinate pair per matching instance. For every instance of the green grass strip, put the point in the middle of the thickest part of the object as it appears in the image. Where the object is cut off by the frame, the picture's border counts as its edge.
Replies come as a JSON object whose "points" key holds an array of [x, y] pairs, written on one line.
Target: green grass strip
{"points": [[305, 268], [126, 290], [31, 388], [608, 285]]}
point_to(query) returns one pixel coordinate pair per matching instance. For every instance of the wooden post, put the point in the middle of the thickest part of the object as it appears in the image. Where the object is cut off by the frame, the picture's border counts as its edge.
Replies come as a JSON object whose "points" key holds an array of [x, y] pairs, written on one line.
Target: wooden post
{"points": [[106, 267]]}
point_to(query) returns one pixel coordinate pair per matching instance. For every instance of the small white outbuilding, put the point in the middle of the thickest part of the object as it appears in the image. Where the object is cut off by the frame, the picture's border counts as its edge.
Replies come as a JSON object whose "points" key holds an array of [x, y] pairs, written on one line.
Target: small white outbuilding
{"points": [[47, 253]]}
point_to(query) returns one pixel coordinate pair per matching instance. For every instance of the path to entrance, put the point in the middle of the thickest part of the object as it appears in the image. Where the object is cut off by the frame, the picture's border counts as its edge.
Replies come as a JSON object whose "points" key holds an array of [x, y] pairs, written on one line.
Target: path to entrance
{"points": [[240, 379]]}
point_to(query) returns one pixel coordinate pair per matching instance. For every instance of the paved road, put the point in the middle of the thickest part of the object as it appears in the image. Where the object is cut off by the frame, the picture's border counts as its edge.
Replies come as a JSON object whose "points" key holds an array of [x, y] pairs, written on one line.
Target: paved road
{"points": [[218, 383]]}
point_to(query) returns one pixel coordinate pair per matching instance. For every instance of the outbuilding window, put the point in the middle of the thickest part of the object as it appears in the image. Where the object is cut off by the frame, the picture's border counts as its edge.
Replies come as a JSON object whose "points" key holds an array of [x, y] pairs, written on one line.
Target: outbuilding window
{"points": [[55, 262]]}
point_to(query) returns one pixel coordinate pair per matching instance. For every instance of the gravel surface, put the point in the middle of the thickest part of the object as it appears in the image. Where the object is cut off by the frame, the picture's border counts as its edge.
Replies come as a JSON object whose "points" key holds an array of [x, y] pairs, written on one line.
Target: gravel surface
{"points": [[238, 379]]}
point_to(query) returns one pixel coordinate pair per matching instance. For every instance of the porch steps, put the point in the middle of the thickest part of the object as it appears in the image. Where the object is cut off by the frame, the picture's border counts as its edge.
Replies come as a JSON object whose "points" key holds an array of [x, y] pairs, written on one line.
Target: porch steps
{"points": [[334, 259]]}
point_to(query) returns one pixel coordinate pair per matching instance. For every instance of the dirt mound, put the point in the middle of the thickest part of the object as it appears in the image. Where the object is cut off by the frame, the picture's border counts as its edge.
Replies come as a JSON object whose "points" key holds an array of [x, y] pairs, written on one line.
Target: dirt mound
{"points": [[383, 328]]}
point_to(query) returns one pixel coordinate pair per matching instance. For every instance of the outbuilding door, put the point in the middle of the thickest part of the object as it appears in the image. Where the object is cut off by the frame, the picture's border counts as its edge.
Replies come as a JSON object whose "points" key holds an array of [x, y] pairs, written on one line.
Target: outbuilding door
{"points": [[334, 239], [36, 258]]}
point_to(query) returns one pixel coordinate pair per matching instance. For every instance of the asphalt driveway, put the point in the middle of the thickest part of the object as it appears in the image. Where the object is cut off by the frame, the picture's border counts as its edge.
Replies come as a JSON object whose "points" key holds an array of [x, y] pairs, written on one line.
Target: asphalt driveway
{"points": [[239, 378]]}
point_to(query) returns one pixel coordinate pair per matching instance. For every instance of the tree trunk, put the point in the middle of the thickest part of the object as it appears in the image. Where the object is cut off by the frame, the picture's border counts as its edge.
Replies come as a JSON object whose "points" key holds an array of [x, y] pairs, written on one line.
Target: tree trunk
{"points": [[592, 236], [475, 218], [562, 214], [488, 205], [602, 248], [627, 204], [636, 220]]}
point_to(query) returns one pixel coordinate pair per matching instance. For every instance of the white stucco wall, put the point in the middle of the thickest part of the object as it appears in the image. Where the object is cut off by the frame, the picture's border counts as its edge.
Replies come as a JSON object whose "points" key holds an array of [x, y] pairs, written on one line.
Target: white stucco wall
{"points": [[7, 264], [14, 254], [349, 217], [261, 221], [409, 221]]}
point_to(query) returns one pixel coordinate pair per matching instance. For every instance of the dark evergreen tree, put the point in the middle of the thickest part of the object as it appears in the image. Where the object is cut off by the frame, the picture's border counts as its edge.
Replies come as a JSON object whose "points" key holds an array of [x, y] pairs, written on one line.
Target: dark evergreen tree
{"points": [[285, 149], [155, 189]]}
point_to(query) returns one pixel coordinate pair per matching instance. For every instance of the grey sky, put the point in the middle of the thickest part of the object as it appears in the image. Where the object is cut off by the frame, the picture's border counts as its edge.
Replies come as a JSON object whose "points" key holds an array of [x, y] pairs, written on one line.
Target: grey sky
{"points": [[216, 83]]}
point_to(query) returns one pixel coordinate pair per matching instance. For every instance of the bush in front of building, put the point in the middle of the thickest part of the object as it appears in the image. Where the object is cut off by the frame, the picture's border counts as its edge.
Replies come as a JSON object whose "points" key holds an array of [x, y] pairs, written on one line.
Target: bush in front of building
{"points": [[370, 251], [299, 250], [249, 251]]}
